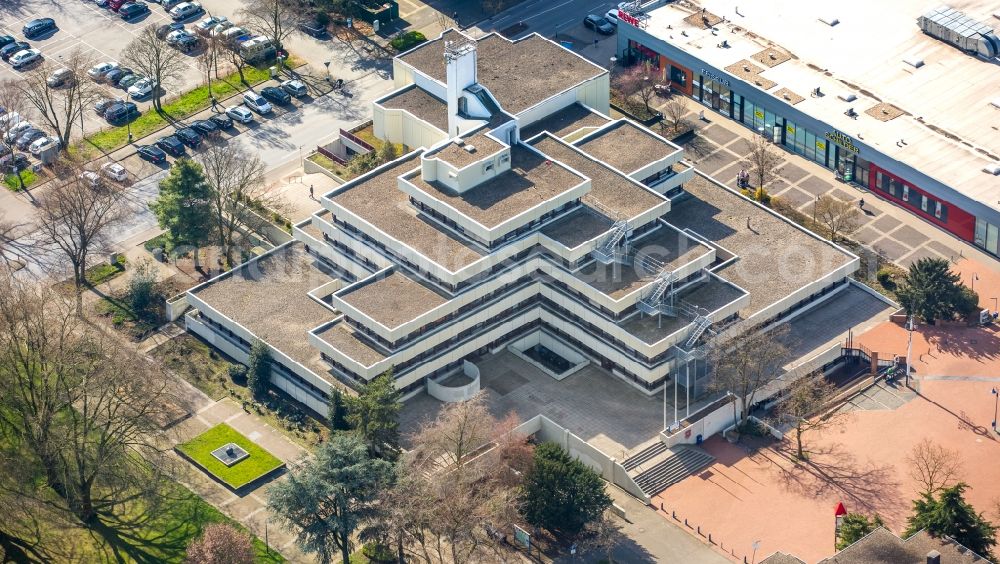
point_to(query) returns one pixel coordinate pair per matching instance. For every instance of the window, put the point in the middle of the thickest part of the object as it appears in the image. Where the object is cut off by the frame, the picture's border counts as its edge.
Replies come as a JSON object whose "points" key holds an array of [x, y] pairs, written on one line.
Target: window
{"points": [[906, 192], [937, 209], [991, 238], [980, 232], [487, 167], [923, 203]]}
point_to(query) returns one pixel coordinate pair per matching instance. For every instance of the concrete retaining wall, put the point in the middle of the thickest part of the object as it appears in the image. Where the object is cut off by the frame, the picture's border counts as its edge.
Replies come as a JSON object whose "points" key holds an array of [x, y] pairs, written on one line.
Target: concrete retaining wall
{"points": [[454, 394], [704, 425], [553, 344], [312, 168], [176, 306]]}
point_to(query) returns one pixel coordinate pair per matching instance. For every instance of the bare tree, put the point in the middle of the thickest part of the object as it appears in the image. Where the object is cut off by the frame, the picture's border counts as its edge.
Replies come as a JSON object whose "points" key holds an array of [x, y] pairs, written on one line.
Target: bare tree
{"points": [[275, 19], [208, 60], [74, 217], [459, 486], [763, 161], [838, 217], [61, 107], [746, 362], [229, 51], [674, 112], [13, 102], [221, 543], [236, 178], [153, 57], [805, 400], [637, 81], [601, 537], [933, 466]]}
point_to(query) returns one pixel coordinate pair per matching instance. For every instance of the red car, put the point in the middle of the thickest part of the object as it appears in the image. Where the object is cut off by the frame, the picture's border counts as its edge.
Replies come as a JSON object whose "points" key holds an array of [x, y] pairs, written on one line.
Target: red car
{"points": [[114, 5]]}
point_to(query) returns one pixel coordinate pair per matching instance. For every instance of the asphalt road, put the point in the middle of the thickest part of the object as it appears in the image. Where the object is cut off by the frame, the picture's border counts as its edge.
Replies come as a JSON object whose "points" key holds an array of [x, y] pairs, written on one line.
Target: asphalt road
{"points": [[548, 17]]}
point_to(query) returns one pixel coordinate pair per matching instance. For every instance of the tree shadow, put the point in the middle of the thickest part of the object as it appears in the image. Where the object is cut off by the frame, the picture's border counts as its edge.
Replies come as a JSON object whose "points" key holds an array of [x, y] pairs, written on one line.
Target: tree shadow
{"points": [[834, 472], [977, 343], [698, 146]]}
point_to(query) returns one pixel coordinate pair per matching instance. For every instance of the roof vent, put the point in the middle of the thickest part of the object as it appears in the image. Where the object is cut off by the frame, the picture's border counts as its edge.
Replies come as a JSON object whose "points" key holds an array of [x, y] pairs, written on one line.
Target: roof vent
{"points": [[995, 103], [829, 20], [847, 97], [915, 62], [459, 141], [993, 169], [470, 148]]}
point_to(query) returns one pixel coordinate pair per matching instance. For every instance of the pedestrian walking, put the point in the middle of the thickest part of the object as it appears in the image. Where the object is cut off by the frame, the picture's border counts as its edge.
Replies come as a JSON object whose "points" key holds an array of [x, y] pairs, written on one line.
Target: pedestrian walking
{"points": [[861, 204], [311, 196]]}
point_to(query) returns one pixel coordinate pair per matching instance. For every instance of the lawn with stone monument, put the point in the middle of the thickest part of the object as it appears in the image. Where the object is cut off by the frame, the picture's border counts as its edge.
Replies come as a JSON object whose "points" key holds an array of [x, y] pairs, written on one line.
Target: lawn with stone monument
{"points": [[230, 457]]}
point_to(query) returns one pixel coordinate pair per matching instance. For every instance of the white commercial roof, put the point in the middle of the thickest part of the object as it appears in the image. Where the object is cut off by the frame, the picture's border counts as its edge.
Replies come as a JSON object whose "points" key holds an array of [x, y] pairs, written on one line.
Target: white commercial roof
{"points": [[865, 54]]}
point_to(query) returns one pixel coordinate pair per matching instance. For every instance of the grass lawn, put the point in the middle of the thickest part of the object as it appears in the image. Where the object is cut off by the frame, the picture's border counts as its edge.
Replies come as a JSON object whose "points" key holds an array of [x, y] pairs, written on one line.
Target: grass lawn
{"points": [[28, 176], [368, 136], [331, 165], [259, 463], [101, 273], [196, 362], [185, 105]]}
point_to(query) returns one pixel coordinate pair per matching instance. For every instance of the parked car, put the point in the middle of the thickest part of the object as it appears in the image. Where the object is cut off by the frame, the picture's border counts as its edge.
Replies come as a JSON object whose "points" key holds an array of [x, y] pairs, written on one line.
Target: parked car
{"points": [[43, 144], [17, 129], [233, 34], [222, 121], [185, 10], [295, 88], [276, 95], [115, 76], [115, 5], [8, 50], [205, 127], [151, 153], [170, 4], [98, 71], [37, 27], [240, 114], [6, 40], [314, 29], [189, 137], [182, 39], [60, 77], [256, 102], [14, 163], [28, 137], [205, 26], [612, 16], [129, 80], [91, 178], [8, 119], [114, 171], [164, 30], [103, 104], [220, 27], [133, 10], [25, 58], [142, 88], [171, 145], [120, 111], [598, 24]]}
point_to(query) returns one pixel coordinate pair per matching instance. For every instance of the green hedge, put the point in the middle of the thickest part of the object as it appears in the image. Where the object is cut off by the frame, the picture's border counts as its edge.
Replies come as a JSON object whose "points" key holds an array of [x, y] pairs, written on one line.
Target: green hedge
{"points": [[407, 41]]}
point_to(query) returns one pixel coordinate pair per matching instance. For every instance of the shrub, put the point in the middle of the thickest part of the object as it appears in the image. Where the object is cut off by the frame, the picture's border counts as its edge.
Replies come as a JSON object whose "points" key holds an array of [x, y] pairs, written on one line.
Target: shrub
{"points": [[377, 552], [322, 19], [407, 41], [885, 278], [238, 373]]}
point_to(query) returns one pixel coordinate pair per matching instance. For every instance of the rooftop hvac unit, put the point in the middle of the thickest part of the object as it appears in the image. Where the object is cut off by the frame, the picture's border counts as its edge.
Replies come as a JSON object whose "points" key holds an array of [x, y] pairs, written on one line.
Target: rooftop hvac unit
{"points": [[954, 27]]}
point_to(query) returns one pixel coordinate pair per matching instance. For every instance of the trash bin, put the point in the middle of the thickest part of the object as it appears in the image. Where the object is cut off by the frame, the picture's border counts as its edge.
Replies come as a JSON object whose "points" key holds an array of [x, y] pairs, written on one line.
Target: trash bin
{"points": [[698, 440], [274, 72]]}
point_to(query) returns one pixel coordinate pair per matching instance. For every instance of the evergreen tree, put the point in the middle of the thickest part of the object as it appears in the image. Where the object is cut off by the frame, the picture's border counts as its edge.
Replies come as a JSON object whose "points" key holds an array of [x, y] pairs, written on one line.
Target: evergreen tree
{"points": [[854, 527], [183, 207], [337, 414], [561, 493], [374, 414], [332, 497], [949, 514], [932, 291], [259, 370]]}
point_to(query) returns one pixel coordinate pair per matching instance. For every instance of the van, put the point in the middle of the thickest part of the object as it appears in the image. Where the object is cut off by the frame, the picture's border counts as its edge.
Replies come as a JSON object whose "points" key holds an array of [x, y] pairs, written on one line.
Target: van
{"points": [[257, 50]]}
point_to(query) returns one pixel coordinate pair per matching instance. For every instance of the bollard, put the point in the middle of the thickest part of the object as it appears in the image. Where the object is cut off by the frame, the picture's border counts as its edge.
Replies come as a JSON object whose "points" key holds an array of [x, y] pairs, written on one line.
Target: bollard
{"points": [[699, 529], [661, 506], [745, 559], [674, 515], [710, 537], [685, 522]]}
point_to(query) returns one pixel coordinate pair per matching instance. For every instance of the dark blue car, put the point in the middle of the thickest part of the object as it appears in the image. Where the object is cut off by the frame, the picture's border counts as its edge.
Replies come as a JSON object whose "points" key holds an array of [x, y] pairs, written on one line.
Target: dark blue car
{"points": [[38, 26]]}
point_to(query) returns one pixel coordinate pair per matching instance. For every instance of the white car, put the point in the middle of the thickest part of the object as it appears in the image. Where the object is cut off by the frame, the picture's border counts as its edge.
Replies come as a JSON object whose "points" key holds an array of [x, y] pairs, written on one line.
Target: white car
{"points": [[24, 58], [256, 102], [91, 178], [142, 88], [185, 10], [43, 144], [8, 119], [220, 27], [208, 24], [612, 16], [240, 114], [98, 71], [180, 36], [16, 130], [114, 171], [232, 33]]}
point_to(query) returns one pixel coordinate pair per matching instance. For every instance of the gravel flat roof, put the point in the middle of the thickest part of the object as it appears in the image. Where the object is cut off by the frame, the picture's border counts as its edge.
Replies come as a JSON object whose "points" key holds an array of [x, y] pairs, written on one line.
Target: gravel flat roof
{"points": [[626, 146], [665, 245], [711, 295], [379, 201], [421, 104], [577, 227], [519, 74], [459, 156], [269, 298], [394, 300], [565, 121], [609, 189], [531, 180], [346, 340], [776, 257]]}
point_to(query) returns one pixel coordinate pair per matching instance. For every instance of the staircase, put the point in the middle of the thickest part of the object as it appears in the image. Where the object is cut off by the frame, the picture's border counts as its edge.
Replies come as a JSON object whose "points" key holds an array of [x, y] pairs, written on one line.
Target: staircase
{"points": [[605, 252], [669, 467], [650, 304], [644, 455], [701, 323]]}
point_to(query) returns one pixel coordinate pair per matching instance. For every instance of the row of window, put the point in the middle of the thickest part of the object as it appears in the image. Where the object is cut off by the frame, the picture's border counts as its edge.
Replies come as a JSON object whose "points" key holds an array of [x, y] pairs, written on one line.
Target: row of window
{"points": [[900, 190], [987, 235]]}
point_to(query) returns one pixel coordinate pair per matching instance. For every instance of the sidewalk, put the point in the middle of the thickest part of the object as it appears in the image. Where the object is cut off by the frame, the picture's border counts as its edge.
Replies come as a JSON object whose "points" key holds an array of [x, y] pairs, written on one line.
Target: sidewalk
{"points": [[902, 236]]}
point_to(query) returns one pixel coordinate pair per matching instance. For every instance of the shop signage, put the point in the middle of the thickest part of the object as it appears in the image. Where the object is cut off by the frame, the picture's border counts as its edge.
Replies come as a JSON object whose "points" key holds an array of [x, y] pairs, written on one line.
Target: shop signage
{"points": [[842, 140], [712, 76], [758, 113], [628, 18]]}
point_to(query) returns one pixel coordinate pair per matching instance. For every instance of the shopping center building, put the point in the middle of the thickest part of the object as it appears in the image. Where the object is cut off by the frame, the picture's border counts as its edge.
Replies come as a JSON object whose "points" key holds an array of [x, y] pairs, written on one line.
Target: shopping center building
{"points": [[854, 86], [525, 217]]}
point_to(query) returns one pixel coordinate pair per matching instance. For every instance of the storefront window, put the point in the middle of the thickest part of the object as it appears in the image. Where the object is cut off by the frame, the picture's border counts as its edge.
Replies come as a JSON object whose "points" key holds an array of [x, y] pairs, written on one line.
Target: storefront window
{"points": [[923, 203], [980, 232], [906, 193], [991, 238], [937, 209]]}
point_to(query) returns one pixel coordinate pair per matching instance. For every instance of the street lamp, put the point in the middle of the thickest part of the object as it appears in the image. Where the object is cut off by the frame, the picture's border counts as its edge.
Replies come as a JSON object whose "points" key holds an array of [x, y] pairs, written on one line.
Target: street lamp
{"points": [[614, 60], [909, 347], [974, 278], [995, 304], [128, 115], [996, 398]]}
